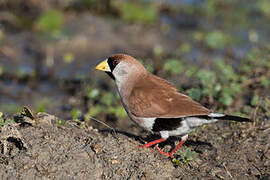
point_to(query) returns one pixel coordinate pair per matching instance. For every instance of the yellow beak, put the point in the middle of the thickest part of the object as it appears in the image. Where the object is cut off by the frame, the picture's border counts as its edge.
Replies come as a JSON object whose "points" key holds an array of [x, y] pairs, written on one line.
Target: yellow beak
{"points": [[103, 66]]}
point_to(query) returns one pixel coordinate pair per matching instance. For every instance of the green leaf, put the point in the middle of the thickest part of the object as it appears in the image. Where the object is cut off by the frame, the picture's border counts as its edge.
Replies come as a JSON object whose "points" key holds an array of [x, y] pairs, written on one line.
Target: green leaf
{"points": [[185, 48], [246, 68], [207, 77], [174, 66], [228, 73], [236, 88], [92, 93], [191, 71], [95, 110], [107, 99], [198, 36], [176, 162], [264, 6], [188, 155], [227, 91], [217, 39], [75, 113], [195, 93], [255, 100], [226, 99], [50, 21], [265, 81], [144, 13], [120, 112]]}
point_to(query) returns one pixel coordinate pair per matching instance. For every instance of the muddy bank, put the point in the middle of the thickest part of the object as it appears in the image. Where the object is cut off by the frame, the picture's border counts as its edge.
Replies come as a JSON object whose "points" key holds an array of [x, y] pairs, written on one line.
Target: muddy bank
{"points": [[44, 150]]}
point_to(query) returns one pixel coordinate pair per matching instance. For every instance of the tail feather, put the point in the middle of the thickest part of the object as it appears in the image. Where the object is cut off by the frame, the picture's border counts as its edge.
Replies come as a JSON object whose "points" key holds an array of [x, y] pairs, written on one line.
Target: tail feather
{"points": [[229, 117]]}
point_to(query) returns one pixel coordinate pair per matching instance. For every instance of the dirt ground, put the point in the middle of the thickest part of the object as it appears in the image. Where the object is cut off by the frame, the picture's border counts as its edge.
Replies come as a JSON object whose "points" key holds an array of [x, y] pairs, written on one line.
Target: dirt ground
{"points": [[44, 150]]}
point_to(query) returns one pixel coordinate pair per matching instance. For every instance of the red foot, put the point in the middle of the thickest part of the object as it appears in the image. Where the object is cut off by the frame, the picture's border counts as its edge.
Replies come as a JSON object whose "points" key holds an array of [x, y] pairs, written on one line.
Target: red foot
{"points": [[162, 152], [168, 154]]}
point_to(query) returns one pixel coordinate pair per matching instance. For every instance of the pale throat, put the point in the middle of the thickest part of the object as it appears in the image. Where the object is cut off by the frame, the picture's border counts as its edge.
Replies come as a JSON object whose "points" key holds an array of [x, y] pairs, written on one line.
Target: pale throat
{"points": [[126, 77], [124, 80], [124, 86]]}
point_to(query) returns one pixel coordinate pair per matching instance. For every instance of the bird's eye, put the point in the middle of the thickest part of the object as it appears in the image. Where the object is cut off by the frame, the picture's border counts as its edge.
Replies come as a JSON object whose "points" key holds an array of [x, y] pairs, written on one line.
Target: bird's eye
{"points": [[115, 62], [112, 63]]}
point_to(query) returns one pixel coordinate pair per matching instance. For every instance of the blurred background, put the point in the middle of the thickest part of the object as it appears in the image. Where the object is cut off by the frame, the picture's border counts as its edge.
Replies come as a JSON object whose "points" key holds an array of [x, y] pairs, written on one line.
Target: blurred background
{"points": [[218, 52]]}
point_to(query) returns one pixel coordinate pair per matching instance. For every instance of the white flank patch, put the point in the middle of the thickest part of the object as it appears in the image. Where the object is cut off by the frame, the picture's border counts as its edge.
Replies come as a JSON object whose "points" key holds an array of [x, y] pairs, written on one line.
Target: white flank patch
{"points": [[182, 130], [177, 132], [195, 122], [164, 134], [216, 115], [148, 123]]}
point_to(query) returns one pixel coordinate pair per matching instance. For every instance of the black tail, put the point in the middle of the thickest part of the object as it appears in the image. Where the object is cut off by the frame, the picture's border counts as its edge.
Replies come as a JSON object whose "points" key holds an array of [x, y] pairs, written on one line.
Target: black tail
{"points": [[234, 118], [228, 117]]}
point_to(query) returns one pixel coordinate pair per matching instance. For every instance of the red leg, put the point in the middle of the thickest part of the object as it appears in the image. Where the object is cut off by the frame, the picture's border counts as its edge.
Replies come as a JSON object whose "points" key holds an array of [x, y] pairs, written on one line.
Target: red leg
{"points": [[153, 143], [162, 152], [170, 154], [177, 147]]}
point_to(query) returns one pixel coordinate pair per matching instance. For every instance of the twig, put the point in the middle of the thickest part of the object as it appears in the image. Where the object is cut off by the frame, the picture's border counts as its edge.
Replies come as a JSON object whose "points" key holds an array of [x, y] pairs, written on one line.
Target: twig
{"points": [[228, 172], [101, 122], [257, 168]]}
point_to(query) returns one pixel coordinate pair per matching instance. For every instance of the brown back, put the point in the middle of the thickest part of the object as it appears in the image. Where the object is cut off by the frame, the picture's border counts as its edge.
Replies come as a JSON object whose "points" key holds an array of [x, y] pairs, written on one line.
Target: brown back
{"points": [[155, 97]]}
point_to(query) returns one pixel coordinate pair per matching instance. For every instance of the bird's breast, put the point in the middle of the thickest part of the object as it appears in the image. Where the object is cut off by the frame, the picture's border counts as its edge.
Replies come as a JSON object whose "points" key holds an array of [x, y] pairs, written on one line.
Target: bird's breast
{"points": [[146, 123]]}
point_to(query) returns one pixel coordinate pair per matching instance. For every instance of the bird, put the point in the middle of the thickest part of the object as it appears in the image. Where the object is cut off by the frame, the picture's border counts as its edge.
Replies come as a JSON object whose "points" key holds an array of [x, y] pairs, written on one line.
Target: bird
{"points": [[155, 104]]}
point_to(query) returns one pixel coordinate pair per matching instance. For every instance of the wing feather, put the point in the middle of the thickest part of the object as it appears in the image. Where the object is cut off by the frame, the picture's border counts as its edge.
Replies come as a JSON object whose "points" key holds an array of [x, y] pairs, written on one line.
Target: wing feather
{"points": [[156, 97]]}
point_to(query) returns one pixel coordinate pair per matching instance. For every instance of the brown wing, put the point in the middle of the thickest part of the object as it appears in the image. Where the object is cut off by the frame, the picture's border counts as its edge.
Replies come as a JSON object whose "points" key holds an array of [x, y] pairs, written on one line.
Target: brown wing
{"points": [[155, 97]]}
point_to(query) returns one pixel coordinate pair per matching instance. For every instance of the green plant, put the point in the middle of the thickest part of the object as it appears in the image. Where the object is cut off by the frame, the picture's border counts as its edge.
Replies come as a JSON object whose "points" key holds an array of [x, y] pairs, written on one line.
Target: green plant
{"points": [[92, 93], [50, 21], [95, 110], [107, 99], [174, 66], [217, 39], [195, 93], [108, 104], [41, 104], [176, 162], [119, 111], [264, 6], [208, 80], [185, 48], [75, 114], [50, 24], [60, 122], [5, 121], [142, 12], [188, 155]]}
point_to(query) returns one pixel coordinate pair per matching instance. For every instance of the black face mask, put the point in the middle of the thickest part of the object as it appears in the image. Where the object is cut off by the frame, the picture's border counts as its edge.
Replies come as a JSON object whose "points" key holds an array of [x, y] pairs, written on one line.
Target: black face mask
{"points": [[111, 75], [112, 64]]}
